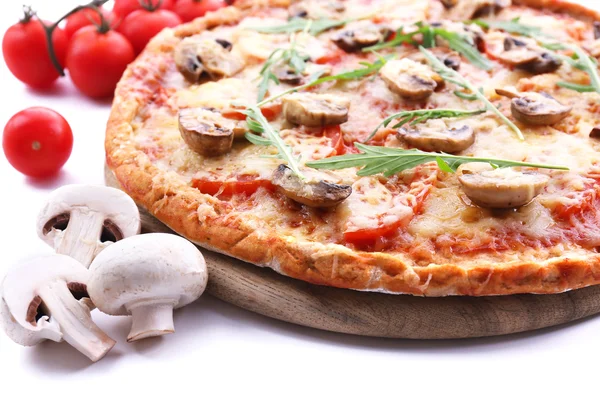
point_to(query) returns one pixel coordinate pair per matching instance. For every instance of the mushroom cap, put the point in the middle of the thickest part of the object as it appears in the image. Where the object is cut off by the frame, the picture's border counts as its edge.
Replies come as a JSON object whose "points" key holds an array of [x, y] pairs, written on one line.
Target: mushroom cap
{"points": [[198, 54], [502, 187], [20, 287], [312, 192], [437, 136], [143, 268], [355, 39], [206, 131], [121, 215], [538, 109], [409, 79], [314, 109]]}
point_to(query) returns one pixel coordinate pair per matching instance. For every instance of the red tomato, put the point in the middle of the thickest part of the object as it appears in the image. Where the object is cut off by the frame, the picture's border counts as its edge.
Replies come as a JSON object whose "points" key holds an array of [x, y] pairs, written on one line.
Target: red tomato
{"points": [[189, 10], [26, 53], [84, 18], [244, 184], [96, 61], [142, 25], [371, 235], [270, 112], [332, 58], [125, 7], [37, 142], [337, 139]]}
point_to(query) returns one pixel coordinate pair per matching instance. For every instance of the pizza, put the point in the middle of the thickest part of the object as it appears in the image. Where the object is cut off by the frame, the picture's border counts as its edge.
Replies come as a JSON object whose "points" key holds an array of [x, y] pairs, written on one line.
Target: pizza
{"points": [[419, 147]]}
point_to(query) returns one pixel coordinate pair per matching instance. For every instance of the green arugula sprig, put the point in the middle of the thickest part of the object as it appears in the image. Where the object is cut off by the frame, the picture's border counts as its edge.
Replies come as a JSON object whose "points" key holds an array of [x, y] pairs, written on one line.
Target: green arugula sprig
{"points": [[450, 75], [290, 57], [417, 116], [580, 60], [390, 161], [456, 42], [259, 124], [312, 26], [512, 26], [366, 70]]}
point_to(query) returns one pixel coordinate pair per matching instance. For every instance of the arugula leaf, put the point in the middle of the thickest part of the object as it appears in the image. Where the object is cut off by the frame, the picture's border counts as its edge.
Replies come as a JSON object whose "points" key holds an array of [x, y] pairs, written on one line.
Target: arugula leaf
{"points": [[368, 69], [390, 161], [258, 123], [450, 75], [314, 27], [512, 26], [580, 60], [460, 44], [280, 57], [418, 116]]}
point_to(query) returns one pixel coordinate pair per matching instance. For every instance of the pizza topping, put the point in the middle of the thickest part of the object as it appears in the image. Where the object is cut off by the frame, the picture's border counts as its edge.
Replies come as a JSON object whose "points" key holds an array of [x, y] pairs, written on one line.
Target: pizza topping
{"points": [[195, 56], [351, 40], [437, 136], [449, 3], [409, 79], [469, 9], [450, 58], [314, 9], [502, 187], [595, 132], [312, 193], [287, 74], [315, 110], [535, 108], [206, 131], [525, 54]]}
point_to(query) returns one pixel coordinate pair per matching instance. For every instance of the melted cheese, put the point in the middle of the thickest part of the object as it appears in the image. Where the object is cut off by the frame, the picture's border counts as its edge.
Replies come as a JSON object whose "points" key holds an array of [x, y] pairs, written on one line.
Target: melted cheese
{"points": [[445, 213]]}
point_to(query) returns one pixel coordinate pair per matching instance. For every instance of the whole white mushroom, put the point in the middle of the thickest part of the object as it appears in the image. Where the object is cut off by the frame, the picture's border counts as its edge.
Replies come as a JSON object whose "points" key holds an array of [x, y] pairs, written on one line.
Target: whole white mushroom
{"points": [[147, 276]]}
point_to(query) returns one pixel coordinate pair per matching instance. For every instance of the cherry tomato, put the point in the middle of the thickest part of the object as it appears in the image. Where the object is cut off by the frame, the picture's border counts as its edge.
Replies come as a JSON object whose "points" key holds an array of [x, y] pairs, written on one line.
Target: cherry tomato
{"points": [[142, 25], [244, 184], [84, 18], [96, 61], [37, 142], [270, 112], [372, 235], [125, 7], [26, 53], [189, 10]]}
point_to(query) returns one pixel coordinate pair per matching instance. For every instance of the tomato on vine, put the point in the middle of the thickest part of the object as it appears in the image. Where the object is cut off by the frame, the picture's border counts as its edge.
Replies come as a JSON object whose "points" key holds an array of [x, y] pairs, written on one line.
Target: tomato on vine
{"points": [[33, 66], [96, 60], [37, 142], [142, 25], [189, 10], [86, 17], [125, 7]]}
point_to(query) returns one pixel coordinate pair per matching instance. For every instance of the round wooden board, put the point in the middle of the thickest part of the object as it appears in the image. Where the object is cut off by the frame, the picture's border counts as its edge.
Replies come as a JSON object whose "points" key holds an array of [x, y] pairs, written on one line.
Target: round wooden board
{"points": [[263, 291]]}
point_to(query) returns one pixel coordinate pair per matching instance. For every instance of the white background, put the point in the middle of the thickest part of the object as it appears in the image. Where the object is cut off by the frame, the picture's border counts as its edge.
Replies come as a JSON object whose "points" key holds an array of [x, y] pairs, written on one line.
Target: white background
{"points": [[220, 351]]}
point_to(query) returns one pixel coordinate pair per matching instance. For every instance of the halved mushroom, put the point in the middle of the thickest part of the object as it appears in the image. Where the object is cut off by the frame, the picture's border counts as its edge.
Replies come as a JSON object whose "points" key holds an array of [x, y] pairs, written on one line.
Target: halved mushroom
{"points": [[472, 33], [288, 75], [195, 56], [312, 193], [351, 40], [314, 9], [206, 131], [45, 298], [596, 29], [449, 3], [535, 108], [527, 55], [450, 58], [437, 136], [409, 79], [82, 220], [311, 109], [595, 132], [594, 47], [502, 187], [471, 9]]}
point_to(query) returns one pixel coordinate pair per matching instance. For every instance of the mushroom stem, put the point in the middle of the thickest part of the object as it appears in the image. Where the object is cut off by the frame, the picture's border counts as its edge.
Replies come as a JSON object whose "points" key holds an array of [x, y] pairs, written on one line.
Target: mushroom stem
{"points": [[151, 318], [81, 236], [75, 321]]}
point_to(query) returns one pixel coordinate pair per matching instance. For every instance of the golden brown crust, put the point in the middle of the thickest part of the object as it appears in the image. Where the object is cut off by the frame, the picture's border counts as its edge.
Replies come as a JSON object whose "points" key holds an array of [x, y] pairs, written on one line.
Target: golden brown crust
{"points": [[177, 205]]}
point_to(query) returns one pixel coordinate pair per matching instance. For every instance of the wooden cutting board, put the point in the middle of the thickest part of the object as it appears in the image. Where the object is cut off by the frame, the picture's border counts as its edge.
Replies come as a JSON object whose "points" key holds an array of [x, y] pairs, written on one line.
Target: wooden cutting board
{"points": [[263, 291]]}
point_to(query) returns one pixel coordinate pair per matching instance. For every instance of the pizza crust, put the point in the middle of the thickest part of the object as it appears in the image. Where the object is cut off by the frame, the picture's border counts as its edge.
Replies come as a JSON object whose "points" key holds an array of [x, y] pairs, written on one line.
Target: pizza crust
{"points": [[203, 220]]}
